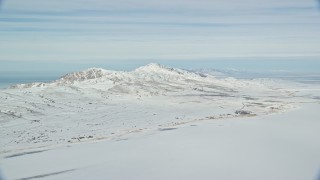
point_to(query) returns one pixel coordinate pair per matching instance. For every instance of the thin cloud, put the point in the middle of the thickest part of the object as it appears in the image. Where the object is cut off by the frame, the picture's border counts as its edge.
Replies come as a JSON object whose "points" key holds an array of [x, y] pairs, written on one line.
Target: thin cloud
{"points": [[116, 29]]}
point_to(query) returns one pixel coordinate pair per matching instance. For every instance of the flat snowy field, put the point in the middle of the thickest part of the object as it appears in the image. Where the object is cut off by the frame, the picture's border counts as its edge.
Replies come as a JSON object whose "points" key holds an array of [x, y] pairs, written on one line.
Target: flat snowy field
{"points": [[159, 123]]}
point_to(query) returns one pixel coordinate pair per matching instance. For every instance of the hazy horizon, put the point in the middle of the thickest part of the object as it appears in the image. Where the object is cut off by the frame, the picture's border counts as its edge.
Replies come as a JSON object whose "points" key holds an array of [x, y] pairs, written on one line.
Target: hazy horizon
{"points": [[297, 70]]}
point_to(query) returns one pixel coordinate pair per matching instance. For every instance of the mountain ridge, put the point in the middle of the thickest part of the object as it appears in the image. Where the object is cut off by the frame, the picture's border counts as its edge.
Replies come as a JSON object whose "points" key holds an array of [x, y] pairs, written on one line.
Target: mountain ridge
{"points": [[152, 71], [149, 80]]}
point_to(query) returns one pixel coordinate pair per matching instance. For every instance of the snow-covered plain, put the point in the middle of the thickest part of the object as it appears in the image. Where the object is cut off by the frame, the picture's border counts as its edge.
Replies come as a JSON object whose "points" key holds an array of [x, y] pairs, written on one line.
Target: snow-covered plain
{"points": [[158, 122]]}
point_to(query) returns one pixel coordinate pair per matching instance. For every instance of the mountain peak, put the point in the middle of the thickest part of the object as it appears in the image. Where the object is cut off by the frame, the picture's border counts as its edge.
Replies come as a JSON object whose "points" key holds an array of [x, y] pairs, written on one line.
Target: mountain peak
{"points": [[91, 73], [153, 67], [159, 69]]}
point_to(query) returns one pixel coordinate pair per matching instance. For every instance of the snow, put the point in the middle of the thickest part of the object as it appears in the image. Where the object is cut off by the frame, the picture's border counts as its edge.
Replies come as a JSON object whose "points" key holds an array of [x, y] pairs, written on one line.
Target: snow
{"points": [[274, 147], [158, 122], [91, 73]]}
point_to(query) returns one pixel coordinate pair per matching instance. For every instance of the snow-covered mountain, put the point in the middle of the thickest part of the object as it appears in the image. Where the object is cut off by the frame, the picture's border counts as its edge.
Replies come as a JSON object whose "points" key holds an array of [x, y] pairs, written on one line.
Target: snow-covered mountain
{"points": [[153, 71], [150, 79], [97, 104], [92, 73]]}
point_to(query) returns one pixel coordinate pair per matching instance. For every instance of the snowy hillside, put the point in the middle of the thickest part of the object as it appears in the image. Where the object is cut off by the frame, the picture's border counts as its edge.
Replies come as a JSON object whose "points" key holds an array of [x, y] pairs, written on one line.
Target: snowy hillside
{"points": [[147, 80], [98, 104]]}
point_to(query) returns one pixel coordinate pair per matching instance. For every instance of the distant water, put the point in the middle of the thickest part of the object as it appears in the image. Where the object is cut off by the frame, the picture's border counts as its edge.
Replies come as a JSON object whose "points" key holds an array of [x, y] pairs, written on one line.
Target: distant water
{"points": [[9, 79]]}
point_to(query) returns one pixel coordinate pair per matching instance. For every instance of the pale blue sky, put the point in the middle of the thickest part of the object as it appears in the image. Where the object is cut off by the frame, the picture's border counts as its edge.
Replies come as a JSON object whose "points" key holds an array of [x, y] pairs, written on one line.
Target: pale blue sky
{"points": [[120, 32]]}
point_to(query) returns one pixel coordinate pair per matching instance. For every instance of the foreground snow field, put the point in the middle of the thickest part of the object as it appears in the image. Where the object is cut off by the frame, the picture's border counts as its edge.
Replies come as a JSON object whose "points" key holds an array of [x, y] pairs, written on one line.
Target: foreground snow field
{"points": [[273, 147], [159, 123]]}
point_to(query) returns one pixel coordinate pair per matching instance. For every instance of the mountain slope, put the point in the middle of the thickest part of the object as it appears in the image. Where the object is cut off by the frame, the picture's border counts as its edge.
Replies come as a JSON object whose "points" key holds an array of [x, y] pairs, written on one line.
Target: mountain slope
{"points": [[152, 78]]}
